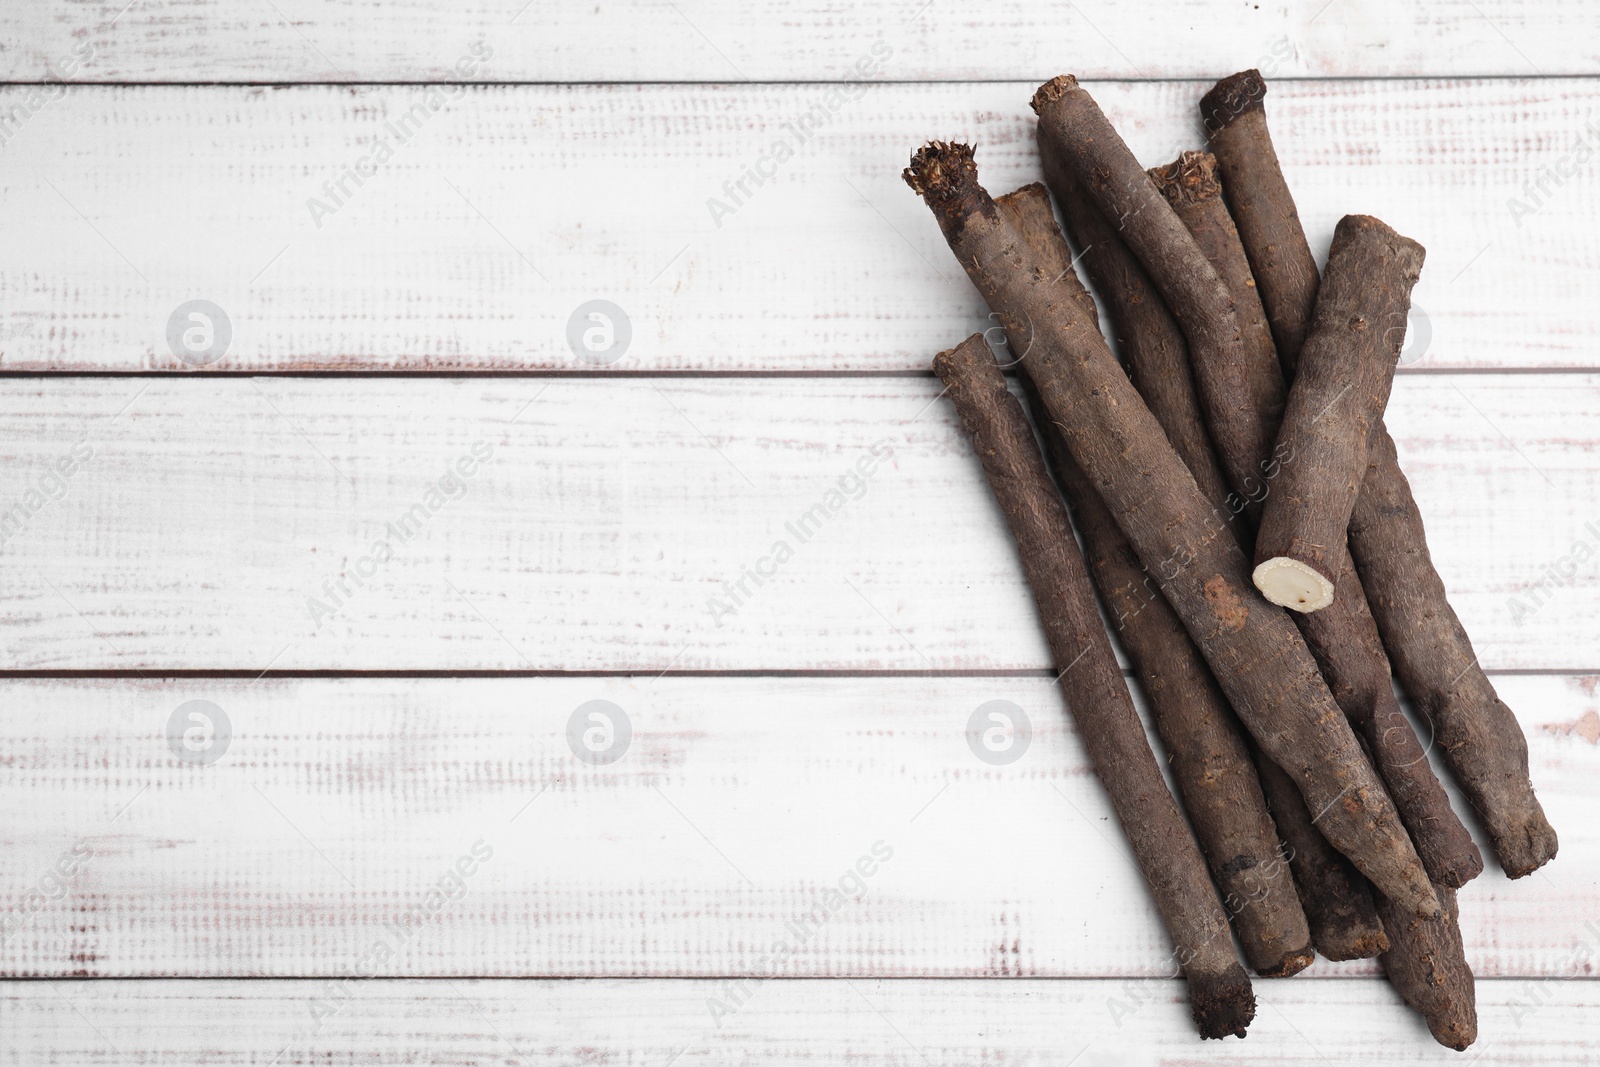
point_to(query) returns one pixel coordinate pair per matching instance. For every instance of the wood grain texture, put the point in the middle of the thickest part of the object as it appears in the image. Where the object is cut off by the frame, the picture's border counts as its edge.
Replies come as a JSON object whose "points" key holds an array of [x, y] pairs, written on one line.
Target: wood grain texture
{"points": [[502, 212], [333, 807], [613, 524], [721, 40], [1304, 1021]]}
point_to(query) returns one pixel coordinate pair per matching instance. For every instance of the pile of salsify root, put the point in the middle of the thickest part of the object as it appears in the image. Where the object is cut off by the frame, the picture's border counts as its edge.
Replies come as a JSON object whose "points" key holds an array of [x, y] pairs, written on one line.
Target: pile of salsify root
{"points": [[1254, 542]]}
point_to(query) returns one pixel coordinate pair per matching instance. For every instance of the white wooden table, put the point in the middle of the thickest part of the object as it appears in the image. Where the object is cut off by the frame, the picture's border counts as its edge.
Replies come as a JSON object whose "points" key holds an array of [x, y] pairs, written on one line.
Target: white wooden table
{"points": [[400, 534]]}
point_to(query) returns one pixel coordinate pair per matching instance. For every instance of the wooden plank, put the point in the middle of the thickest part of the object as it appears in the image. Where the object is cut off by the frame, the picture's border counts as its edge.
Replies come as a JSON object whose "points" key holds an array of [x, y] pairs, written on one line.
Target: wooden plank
{"points": [[332, 809], [239, 524], [501, 215], [720, 40], [1101, 1022]]}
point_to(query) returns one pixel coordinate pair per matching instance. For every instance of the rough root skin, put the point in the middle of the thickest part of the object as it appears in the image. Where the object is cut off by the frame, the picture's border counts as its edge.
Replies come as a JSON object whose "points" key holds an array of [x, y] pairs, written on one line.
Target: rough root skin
{"points": [[1255, 380], [1189, 179], [1349, 648], [1428, 968], [1346, 369], [1269, 227], [1233, 96], [1435, 662], [1239, 403], [1206, 751], [1427, 645], [1117, 441], [1147, 337], [1223, 1005], [1338, 904], [1096, 693]]}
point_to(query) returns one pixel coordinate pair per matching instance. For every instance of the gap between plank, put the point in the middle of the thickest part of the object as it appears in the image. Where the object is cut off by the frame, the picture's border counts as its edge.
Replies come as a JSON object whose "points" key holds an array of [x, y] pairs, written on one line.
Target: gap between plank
{"points": [[597, 373], [722, 976], [781, 82], [225, 673]]}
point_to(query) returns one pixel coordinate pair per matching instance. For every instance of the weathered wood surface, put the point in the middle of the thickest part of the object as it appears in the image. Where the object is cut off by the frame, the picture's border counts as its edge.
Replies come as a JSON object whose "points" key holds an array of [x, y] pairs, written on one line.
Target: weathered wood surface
{"points": [[242, 524], [319, 813], [199, 516], [1099, 1023], [774, 40], [499, 215]]}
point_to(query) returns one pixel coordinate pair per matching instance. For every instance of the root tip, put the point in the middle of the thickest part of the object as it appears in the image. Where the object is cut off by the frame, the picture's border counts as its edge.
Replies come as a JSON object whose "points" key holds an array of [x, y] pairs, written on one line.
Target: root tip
{"points": [[1408, 253], [941, 170], [1189, 179], [1223, 1004], [1232, 97], [1537, 847], [950, 362], [1361, 946], [1465, 868], [1053, 90], [1291, 964], [1455, 1037]]}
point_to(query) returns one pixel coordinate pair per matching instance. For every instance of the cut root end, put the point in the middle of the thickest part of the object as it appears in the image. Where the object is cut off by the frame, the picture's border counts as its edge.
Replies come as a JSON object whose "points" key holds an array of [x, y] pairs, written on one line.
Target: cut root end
{"points": [[1223, 1004], [1291, 584]]}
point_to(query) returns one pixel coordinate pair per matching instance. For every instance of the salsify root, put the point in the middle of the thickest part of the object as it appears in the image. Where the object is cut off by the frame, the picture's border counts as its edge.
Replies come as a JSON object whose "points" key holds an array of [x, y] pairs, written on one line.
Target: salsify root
{"points": [[1341, 636], [1337, 900], [1208, 757], [1433, 658], [1258, 198], [1148, 338], [1074, 130], [1096, 694], [1345, 642], [1424, 960], [1428, 966], [1190, 186], [1253, 649], [1430, 650], [1340, 389], [1206, 749]]}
